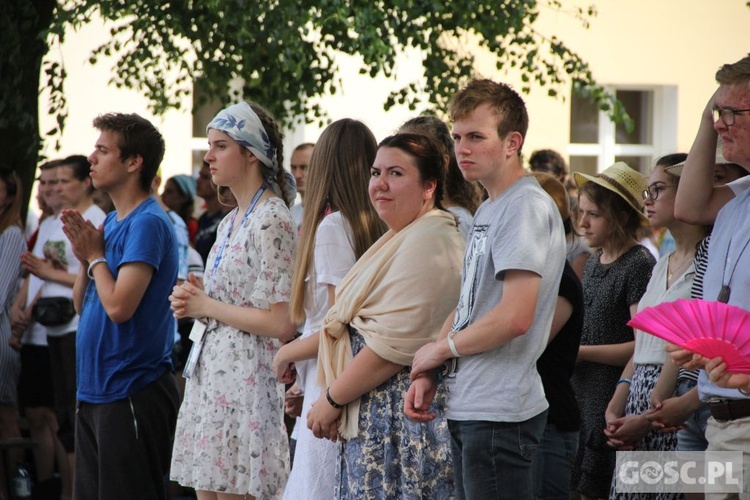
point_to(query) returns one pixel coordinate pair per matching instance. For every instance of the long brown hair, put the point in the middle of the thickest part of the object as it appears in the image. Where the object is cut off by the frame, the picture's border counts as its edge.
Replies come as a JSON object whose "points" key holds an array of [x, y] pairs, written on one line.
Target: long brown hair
{"points": [[338, 177], [11, 213]]}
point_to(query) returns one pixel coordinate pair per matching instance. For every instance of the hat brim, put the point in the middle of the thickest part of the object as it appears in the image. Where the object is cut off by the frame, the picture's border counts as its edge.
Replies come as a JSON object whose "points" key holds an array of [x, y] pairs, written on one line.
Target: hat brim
{"points": [[675, 169], [581, 179]]}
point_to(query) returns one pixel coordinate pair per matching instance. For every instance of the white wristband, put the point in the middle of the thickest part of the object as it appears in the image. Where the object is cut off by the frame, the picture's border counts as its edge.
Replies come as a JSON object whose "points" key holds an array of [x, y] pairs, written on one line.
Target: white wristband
{"points": [[452, 345], [93, 263]]}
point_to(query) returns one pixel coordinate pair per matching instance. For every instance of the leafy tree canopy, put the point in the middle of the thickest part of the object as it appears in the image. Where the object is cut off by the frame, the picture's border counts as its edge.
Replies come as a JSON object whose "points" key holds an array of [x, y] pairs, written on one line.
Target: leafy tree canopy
{"points": [[282, 50]]}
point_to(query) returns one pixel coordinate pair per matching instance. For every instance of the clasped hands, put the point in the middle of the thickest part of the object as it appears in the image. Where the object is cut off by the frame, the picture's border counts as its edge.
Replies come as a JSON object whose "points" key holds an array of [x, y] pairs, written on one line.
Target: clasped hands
{"points": [[323, 419], [669, 415], [87, 241], [423, 385], [188, 300], [41, 268]]}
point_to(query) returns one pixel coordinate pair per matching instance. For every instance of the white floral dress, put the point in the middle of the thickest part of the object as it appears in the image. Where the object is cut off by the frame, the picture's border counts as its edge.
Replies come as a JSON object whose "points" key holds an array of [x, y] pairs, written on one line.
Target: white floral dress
{"points": [[230, 434]]}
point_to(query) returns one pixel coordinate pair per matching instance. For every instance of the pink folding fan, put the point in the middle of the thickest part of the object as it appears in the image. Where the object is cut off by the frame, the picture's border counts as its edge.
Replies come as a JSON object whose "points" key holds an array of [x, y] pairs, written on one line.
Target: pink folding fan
{"points": [[710, 329]]}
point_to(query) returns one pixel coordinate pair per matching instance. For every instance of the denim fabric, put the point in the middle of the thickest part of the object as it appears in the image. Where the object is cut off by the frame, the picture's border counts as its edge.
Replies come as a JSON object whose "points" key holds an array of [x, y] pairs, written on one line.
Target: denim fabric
{"points": [[492, 460], [693, 436], [552, 463]]}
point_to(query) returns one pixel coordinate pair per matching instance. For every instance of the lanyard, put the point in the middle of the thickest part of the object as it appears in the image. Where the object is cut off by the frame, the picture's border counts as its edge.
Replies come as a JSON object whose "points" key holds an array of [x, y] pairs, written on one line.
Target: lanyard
{"points": [[224, 242]]}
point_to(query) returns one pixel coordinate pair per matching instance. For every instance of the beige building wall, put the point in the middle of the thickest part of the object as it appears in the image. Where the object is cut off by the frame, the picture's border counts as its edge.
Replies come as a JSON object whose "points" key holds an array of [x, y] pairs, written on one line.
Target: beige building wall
{"points": [[89, 94], [642, 44], [678, 44]]}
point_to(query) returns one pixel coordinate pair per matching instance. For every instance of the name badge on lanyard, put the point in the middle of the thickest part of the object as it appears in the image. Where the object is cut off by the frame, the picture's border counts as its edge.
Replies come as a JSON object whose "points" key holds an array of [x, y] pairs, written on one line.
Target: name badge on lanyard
{"points": [[198, 333]]}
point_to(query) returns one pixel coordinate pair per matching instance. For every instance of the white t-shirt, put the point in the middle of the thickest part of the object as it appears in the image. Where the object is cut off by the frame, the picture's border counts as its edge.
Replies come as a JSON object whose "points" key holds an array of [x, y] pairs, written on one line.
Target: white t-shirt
{"points": [[36, 334], [52, 244], [333, 257], [313, 472]]}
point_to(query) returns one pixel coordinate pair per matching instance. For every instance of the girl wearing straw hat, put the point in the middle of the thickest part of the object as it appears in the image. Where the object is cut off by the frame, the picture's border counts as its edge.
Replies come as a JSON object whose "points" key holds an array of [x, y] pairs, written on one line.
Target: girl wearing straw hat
{"points": [[614, 279], [628, 427]]}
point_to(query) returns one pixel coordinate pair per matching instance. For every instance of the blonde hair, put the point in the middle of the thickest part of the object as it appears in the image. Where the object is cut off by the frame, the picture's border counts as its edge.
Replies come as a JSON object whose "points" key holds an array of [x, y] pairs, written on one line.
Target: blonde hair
{"points": [[338, 178]]}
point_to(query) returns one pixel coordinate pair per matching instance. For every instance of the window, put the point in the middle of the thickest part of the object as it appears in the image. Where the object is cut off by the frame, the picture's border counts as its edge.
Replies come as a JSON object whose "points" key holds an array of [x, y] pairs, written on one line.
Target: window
{"points": [[596, 142], [202, 116]]}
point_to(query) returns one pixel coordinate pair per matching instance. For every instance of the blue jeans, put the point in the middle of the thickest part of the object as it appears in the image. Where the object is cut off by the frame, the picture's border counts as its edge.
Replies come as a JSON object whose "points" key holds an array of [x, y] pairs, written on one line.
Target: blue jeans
{"points": [[552, 463], [693, 436], [492, 460]]}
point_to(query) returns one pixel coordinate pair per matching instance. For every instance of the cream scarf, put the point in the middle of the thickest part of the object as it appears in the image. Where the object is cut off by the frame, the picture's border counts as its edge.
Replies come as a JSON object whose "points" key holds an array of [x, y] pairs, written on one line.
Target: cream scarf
{"points": [[397, 296]]}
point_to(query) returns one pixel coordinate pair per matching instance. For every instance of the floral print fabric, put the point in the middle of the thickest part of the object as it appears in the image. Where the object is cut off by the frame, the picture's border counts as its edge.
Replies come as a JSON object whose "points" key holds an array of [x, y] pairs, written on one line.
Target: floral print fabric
{"points": [[230, 434], [393, 457]]}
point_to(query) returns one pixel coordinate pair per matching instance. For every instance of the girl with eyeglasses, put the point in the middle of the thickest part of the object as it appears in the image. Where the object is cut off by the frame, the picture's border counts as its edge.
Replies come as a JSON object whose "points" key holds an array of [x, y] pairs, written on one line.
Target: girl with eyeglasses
{"points": [[628, 427]]}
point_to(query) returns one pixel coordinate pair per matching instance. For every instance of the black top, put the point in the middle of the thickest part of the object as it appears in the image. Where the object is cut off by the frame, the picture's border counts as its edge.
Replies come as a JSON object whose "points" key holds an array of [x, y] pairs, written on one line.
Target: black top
{"points": [[556, 364], [206, 235]]}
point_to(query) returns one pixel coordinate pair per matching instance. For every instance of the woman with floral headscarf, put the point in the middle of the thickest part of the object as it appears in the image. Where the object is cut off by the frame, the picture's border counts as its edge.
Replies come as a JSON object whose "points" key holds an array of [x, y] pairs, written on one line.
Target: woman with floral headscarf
{"points": [[230, 440]]}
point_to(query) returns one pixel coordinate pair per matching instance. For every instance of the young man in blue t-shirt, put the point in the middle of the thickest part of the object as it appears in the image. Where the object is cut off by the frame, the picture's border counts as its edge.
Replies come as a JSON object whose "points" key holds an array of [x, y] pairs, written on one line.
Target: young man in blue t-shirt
{"points": [[127, 393]]}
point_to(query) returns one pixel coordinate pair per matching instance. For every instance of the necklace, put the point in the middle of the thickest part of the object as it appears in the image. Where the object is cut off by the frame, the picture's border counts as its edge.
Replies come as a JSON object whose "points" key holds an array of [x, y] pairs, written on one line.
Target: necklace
{"points": [[726, 290], [672, 269]]}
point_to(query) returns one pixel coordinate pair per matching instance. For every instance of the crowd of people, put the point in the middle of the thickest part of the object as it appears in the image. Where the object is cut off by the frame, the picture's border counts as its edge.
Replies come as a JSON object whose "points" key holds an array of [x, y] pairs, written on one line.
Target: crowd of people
{"points": [[440, 322]]}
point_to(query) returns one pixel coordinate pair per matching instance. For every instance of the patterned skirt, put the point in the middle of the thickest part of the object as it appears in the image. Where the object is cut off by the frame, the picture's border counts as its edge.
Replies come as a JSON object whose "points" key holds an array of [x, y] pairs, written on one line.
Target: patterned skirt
{"points": [[393, 457], [639, 401]]}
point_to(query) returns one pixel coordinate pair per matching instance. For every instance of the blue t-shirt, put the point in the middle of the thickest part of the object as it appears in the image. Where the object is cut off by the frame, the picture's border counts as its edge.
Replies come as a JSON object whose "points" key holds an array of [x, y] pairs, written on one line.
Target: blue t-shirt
{"points": [[115, 360]]}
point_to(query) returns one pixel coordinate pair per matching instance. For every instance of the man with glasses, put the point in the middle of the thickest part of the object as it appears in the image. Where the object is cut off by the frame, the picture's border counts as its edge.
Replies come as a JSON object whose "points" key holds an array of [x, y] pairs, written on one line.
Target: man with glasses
{"points": [[727, 278]]}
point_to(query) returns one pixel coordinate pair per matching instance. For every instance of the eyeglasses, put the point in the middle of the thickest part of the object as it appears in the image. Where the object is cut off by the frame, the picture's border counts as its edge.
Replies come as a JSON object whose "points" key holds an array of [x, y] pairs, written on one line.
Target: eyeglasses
{"points": [[727, 115], [652, 193]]}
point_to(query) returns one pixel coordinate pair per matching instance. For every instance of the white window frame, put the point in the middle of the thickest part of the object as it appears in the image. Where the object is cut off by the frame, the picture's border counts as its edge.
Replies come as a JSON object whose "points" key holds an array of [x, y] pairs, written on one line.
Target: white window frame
{"points": [[664, 127]]}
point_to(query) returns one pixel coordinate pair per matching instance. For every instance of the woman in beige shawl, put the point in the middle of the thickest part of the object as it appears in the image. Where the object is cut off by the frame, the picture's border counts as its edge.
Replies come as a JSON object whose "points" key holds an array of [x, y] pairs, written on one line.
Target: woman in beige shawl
{"points": [[393, 301]]}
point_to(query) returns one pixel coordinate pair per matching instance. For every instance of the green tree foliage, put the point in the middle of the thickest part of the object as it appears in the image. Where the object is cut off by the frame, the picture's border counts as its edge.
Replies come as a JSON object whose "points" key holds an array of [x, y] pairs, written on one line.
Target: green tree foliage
{"points": [[23, 28], [283, 51]]}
